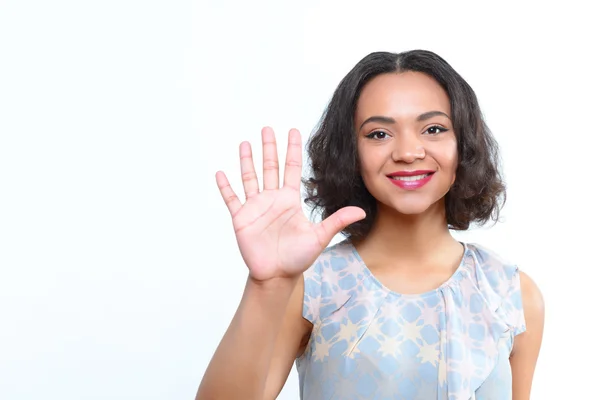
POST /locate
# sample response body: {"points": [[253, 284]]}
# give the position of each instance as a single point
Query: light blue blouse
{"points": [[368, 342]]}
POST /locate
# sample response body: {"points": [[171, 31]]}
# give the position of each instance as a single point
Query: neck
{"points": [[408, 236]]}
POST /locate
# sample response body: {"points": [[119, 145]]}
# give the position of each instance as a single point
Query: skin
{"points": [[527, 345], [277, 243], [417, 134]]}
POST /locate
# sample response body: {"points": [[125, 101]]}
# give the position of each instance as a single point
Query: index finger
{"points": [[231, 200]]}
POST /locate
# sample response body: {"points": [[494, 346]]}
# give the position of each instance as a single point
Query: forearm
{"points": [[240, 365]]}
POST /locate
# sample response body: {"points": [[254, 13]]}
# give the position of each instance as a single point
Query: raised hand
{"points": [[275, 238]]}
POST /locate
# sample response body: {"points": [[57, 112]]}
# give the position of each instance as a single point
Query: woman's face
{"points": [[406, 142]]}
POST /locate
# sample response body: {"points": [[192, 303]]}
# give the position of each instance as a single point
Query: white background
{"points": [[119, 271]]}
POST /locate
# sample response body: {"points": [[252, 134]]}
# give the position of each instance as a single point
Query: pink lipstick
{"points": [[411, 180]]}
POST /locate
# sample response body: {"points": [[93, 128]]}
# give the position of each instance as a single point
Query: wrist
{"points": [[273, 285], [267, 300]]}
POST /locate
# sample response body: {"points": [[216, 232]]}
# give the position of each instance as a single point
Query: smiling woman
{"points": [[400, 309], [416, 139]]}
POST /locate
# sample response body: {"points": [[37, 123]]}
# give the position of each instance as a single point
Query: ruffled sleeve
{"points": [[312, 292], [329, 283], [482, 312], [512, 304], [502, 280]]}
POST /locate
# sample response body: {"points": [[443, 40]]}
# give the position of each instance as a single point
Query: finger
{"points": [[336, 222], [248, 173], [231, 200], [292, 176], [270, 160]]}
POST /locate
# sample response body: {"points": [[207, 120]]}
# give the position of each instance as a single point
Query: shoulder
{"points": [[521, 297], [533, 300], [526, 347], [334, 268], [490, 260], [500, 281], [499, 270], [333, 260], [499, 273]]}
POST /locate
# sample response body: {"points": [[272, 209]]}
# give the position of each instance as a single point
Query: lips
{"points": [[411, 180]]}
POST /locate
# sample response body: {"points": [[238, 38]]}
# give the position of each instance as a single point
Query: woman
{"points": [[400, 309]]}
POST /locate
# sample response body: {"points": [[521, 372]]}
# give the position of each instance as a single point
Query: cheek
{"points": [[371, 164], [446, 155], [368, 161]]}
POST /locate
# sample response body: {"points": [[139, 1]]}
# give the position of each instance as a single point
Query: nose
{"points": [[408, 149]]}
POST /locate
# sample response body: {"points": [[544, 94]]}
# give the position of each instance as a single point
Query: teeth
{"points": [[409, 178]]}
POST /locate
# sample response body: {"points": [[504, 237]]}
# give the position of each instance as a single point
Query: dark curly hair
{"points": [[478, 193]]}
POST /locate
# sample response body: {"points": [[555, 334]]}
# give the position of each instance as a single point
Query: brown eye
{"points": [[377, 135], [435, 130]]}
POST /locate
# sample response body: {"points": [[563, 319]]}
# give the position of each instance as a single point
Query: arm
{"points": [[527, 345], [278, 244], [290, 344], [257, 352]]}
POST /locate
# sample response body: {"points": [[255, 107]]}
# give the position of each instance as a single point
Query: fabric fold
{"points": [[470, 328]]}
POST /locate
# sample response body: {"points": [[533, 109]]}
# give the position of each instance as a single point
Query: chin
{"points": [[414, 206]]}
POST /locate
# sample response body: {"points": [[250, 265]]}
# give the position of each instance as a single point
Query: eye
{"points": [[377, 135], [435, 130]]}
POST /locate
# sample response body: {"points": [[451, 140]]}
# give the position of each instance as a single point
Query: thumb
{"points": [[337, 221]]}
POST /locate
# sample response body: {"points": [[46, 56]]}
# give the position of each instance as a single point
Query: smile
{"points": [[410, 180]]}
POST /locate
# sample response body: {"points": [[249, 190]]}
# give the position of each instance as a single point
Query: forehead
{"points": [[401, 95]]}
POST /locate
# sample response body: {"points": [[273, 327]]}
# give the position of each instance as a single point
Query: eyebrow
{"points": [[390, 121], [431, 114]]}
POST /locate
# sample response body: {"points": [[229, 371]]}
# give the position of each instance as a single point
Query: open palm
{"points": [[274, 236]]}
